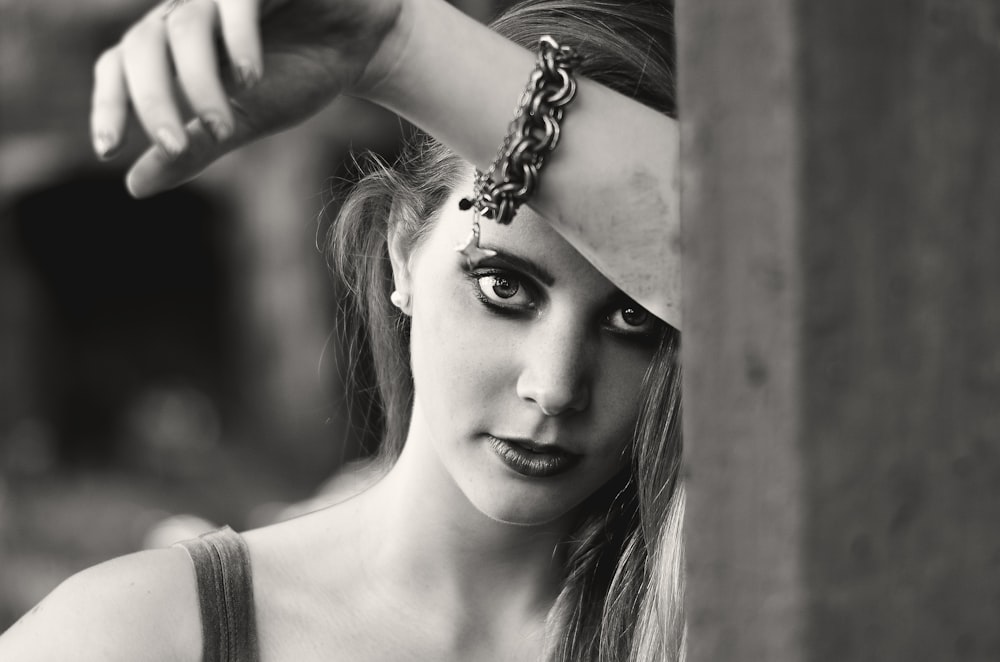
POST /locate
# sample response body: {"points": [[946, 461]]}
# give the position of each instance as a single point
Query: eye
{"points": [[632, 319], [503, 289]]}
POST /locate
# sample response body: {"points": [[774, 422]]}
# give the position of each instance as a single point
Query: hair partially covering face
{"points": [[622, 595]]}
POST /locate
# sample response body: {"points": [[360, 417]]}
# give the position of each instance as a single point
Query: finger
{"points": [[109, 104], [155, 172], [240, 21], [148, 77], [190, 33]]}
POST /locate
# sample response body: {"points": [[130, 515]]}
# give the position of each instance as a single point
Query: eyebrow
{"points": [[522, 264]]}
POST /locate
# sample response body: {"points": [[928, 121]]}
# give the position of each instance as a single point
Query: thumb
{"points": [[155, 172]]}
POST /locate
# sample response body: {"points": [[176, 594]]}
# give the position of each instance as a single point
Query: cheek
{"points": [[452, 354], [617, 396]]}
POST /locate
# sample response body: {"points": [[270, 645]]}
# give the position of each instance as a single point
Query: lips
{"points": [[531, 459]]}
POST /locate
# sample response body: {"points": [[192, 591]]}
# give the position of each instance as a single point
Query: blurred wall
{"points": [[162, 356]]}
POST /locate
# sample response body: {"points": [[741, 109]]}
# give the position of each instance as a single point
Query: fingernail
{"points": [[134, 185], [246, 74], [105, 143], [130, 185], [169, 143], [218, 127]]}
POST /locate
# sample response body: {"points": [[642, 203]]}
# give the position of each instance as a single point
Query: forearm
{"points": [[616, 161]]}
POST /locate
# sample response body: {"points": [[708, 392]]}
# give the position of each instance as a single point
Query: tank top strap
{"points": [[225, 595]]}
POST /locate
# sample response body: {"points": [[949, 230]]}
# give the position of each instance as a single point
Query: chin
{"points": [[505, 497], [516, 508]]}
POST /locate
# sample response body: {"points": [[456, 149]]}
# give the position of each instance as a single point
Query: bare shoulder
{"points": [[142, 606]]}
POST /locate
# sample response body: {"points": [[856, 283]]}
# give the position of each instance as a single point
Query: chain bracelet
{"points": [[531, 136]]}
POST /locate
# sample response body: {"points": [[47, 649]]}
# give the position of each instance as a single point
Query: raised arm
{"points": [[615, 167], [610, 187]]}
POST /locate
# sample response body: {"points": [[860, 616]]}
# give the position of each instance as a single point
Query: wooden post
{"points": [[841, 209]]}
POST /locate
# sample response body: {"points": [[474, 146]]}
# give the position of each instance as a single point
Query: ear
{"points": [[399, 256]]}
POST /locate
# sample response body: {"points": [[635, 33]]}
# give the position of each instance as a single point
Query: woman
{"points": [[526, 406]]}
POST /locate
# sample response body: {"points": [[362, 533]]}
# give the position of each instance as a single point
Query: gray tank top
{"points": [[225, 595]]}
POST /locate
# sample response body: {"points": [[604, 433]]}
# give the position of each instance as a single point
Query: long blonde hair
{"points": [[622, 595]]}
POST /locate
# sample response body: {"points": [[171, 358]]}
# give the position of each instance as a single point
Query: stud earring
{"points": [[400, 300]]}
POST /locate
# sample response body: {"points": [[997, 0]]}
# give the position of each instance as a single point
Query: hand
{"points": [[245, 68]]}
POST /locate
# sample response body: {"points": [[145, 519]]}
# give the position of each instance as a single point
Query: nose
{"points": [[556, 369]]}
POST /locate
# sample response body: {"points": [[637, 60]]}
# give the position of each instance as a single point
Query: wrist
{"points": [[385, 72], [451, 76]]}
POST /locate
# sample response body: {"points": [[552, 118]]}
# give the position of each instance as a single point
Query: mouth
{"points": [[531, 459]]}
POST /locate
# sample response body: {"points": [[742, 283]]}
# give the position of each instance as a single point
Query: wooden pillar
{"points": [[841, 213]]}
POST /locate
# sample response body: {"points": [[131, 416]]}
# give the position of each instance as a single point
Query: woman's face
{"points": [[527, 370]]}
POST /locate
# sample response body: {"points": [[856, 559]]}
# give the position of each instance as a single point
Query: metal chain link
{"points": [[533, 133]]}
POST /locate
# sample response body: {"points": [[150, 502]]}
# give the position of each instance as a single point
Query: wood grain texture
{"points": [[842, 355]]}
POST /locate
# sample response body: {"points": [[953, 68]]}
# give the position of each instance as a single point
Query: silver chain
{"points": [[533, 133]]}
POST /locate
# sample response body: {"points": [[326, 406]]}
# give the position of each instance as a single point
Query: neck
{"points": [[424, 534]]}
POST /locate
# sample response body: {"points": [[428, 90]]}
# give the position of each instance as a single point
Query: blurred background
{"points": [[164, 364]]}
